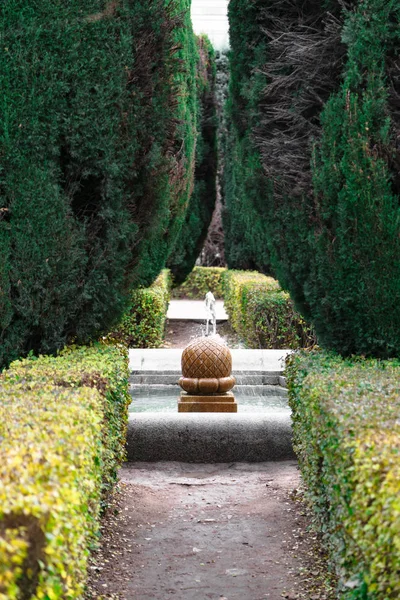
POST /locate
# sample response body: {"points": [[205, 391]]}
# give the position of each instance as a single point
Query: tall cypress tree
{"points": [[202, 201], [354, 285], [244, 179], [326, 129], [97, 141]]}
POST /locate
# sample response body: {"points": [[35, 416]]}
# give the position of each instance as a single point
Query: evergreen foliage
{"points": [[143, 323], [262, 313], [97, 143], [353, 288], [200, 281], [285, 61], [303, 65], [244, 180], [63, 423], [202, 200], [321, 150], [347, 437]]}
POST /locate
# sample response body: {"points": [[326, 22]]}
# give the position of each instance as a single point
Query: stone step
{"points": [[155, 361], [243, 390], [210, 437], [171, 378]]}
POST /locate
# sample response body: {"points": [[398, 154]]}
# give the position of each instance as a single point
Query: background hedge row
{"points": [[262, 313], [62, 425], [200, 281], [143, 323], [312, 186], [347, 437], [98, 132]]}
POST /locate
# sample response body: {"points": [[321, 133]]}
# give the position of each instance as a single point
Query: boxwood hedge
{"points": [[200, 281], [143, 323], [262, 313], [347, 437], [62, 432]]}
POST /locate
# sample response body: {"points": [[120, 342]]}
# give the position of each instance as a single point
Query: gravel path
{"points": [[195, 532]]}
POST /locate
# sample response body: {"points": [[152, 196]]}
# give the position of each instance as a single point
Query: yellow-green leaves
{"points": [[262, 313], [347, 437], [142, 325], [200, 281], [62, 424]]}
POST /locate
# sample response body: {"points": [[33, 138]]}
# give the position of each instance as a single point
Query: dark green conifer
{"points": [[325, 130], [97, 142], [353, 288], [203, 198], [244, 180]]}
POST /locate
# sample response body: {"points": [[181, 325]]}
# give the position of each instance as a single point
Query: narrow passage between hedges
{"points": [[217, 531]]}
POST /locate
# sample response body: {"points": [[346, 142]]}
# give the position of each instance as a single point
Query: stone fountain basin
{"points": [[260, 399], [260, 431]]}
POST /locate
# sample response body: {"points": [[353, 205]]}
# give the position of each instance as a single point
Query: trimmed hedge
{"points": [[262, 313], [62, 429], [347, 437], [200, 281], [312, 185], [97, 154], [246, 245], [353, 285], [143, 323], [202, 200]]}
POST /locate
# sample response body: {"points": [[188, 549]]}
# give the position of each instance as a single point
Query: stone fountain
{"points": [[206, 377]]}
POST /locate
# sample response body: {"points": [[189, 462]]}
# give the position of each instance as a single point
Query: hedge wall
{"points": [[244, 181], [262, 313], [315, 123], [353, 288], [62, 425], [347, 438], [285, 61], [202, 201], [143, 323], [97, 150], [200, 281]]}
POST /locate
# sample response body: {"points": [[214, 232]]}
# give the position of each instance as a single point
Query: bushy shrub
{"points": [[202, 201], [347, 438], [62, 425], [244, 180], [353, 288], [98, 132], [200, 281], [314, 134], [262, 313], [143, 323]]}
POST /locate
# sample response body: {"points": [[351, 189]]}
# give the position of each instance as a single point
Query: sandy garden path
{"points": [[215, 531]]}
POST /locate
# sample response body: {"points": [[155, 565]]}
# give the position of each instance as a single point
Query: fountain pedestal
{"points": [[207, 379], [215, 403]]}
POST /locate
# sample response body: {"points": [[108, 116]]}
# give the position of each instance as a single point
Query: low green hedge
{"points": [[346, 421], [200, 281], [62, 432], [262, 313], [143, 323]]}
